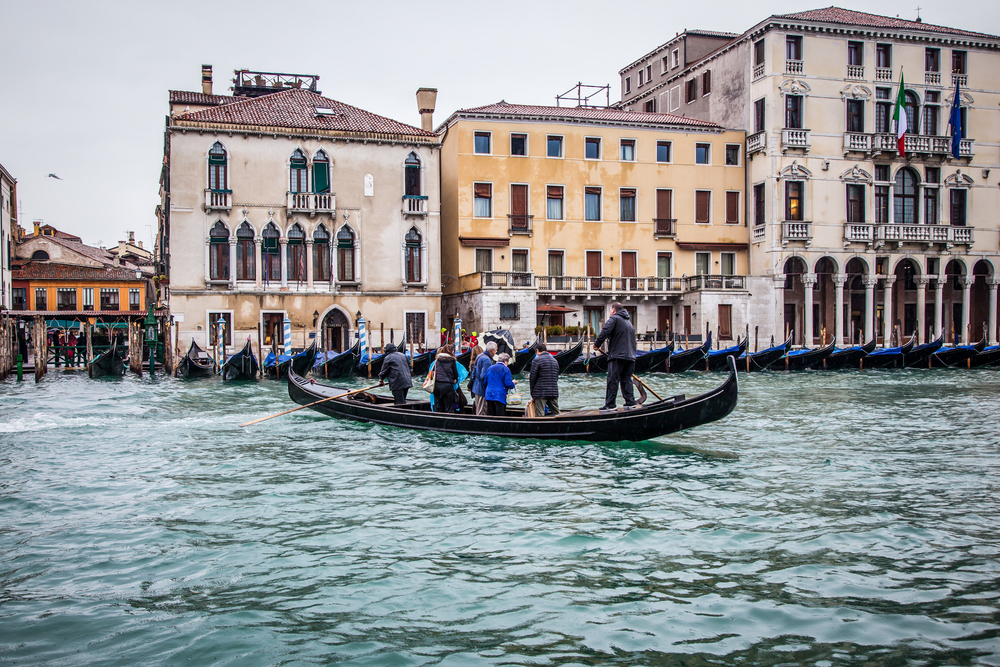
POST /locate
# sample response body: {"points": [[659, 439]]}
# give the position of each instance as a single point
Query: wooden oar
{"points": [[302, 407], [636, 378]]}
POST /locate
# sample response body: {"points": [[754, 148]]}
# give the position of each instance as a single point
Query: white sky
{"points": [[85, 85]]}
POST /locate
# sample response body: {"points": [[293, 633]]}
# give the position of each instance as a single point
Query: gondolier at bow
{"points": [[620, 335]]}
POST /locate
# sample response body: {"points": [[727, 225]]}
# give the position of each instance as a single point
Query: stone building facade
{"points": [[8, 221]]}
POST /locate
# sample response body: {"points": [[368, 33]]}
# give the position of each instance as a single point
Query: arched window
{"points": [[218, 252], [271, 253], [40, 256], [412, 166], [217, 167], [345, 255], [296, 254], [912, 112], [905, 197], [299, 171], [413, 274], [321, 254], [321, 173], [246, 260]]}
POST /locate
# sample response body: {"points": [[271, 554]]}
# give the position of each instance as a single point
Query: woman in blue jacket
{"points": [[499, 381]]}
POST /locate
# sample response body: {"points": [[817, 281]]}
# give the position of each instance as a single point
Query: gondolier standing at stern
{"points": [[396, 369], [620, 334]]}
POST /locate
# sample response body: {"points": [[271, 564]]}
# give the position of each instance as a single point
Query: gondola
{"points": [[889, 356], [653, 360], [365, 369], [107, 364], [990, 356], [685, 360], [522, 358], [800, 360], [920, 355], [304, 360], [301, 362], [337, 365], [716, 359], [196, 363], [422, 362], [950, 357], [650, 420], [241, 366], [598, 363], [566, 358], [275, 368], [849, 357], [761, 361]]}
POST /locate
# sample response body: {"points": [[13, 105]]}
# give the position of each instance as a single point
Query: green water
{"points": [[832, 519]]}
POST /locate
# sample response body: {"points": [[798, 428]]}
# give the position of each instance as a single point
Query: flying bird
{"points": [[55, 177]]}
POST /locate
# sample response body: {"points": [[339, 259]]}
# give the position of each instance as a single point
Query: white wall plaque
{"points": [[369, 185]]}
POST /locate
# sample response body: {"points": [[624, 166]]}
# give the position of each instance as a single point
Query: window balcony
{"points": [[607, 285], [714, 282], [883, 74], [519, 224], [858, 142], [758, 71], [756, 142], [414, 205], [311, 202], [759, 231], [507, 279], [796, 230], [925, 234], [856, 72], [919, 144], [960, 79], [218, 200], [665, 228], [932, 78], [794, 138], [855, 232], [793, 67]]}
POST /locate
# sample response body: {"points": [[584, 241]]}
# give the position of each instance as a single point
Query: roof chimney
{"points": [[38, 225], [426, 99], [131, 238], [206, 79]]}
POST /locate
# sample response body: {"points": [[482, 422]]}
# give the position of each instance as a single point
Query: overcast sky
{"points": [[86, 82]]}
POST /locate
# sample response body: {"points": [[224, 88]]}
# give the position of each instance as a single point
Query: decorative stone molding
{"points": [[922, 281], [840, 279], [794, 87], [889, 281], [967, 100], [856, 175], [809, 279], [869, 281], [958, 180], [993, 283], [967, 281], [794, 172], [856, 92]]}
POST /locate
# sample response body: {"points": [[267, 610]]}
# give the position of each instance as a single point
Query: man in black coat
{"points": [[544, 381], [396, 368], [620, 334]]}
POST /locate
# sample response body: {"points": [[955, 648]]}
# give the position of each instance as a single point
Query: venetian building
{"points": [[857, 238], [8, 223], [278, 202]]}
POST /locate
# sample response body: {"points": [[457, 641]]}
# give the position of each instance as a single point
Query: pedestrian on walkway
{"points": [[620, 335]]}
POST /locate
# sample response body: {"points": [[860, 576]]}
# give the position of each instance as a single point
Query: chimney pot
{"points": [[206, 79], [426, 101], [38, 226], [131, 238]]}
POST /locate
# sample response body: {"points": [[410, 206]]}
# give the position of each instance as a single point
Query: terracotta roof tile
{"points": [[851, 17], [297, 109], [201, 99], [53, 271], [585, 113]]}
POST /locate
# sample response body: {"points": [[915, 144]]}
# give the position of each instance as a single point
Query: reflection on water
{"points": [[833, 518]]}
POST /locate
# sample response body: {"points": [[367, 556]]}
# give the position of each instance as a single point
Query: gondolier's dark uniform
{"points": [[396, 370], [620, 334]]}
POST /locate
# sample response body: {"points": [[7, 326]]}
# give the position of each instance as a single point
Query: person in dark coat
{"points": [[396, 372], [620, 335], [445, 379], [479, 368], [499, 381], [544, 381]]}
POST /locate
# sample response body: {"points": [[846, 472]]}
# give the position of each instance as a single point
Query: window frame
{"points": [[862, 201], [669, 256], [562, 206], [351, 251], [708, 153], [963, 208], [706, 82], [800, 198], [695, 216], [527, 259], [628, 84], [526, 147], [475, 259], [490, 200], [562, 146], [691, 90], [735, 258], [886, 50], [799, 100], [855, 51], [738, 150], [703, 253], [635, 203], [477, 134], [675, 58], [66, 291], [759, 204], [590, 141], [760, 115], [739, 206], [622, 143], [212, 328], [600, 203], [109, 291], [798, 42], [855, 110], [44, 292], [669, 145]]}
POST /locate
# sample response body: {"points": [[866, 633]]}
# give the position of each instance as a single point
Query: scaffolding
{"points": [[583, 93]]}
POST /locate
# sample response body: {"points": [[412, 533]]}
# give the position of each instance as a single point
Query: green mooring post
{"points": [[151, 337], [20, 368]]}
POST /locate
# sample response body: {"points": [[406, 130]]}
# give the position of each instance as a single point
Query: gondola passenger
{"points": [[499, 381], [447, 374], [480, 365], [544, 381], [396, 371]]}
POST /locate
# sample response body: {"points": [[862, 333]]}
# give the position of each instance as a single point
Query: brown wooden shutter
{"points": [[592, 191], [732, 208], [627, 192], [702, 204], [593, 263], [519, 200], [483, 190], [555, 192], [725, 321], [664, 204], [629, 269]]}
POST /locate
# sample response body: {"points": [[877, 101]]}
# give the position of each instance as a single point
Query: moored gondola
{"points": [[685, 360], [336, 364], [800, 360], [716, 359], [276, 368], [369, 365], [648, 421], [920, 355], [653, 360], [596, 363], [888, 357], [241, 366], [849, 357], [761, 361], [990, 356], [108, 363], [196, 363], [304, 360], [522, 359], [422, 362], [950, 357], [566, 358]]}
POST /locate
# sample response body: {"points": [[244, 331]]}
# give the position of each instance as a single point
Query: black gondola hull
{"points": [[990, 356], [678, 362], [241, 366], [654, 360], [956, 356], [761, 361], [920, 356], [192, 366], [716, 361], [339, 365], [522, 359], [801, 361], [850, 357], [108, 364], [567, 358]]}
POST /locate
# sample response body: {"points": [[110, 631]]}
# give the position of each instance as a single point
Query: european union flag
{"points": [[956, 122]]}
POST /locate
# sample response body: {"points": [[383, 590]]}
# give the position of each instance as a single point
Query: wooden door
{"points": [[630, 269], [664, 319], [594, 268], [687, 320], [664, 208], [519, 208]]}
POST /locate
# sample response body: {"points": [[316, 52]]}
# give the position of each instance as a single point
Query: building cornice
{"points": [[184, 126], [572, 120]]}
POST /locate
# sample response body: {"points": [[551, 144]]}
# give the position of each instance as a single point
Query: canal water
{"points": [[832, 519]]}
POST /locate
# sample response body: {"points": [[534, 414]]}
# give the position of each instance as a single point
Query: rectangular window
{"points": [[932, 175], [882, 173], [555, 267], [703, 153], [725, 321], [594, 268], [883, 110], [650, 106], [66, 298], [628, 150], [793, 112], [758, 115], [881, 204], [930, 205], [345, 261], [554, 202], [690, 90], [482, 203], [758, 52], [109, 299], [702, 263], [626, 198], [932, 60], [649, 72], [758, 204], [41, 298], [519, 260], [88, 298], [703, 207], [663, 151], [931, 100], [855, 115], [957, 198], [664, 264], [958, 62], [793, 200], [675, 56], [553, 146], [482, 143], [728, 260], [855, 203], [134, 299], [628, 84], [883, 56], [19, 298], [592, 203], [706, 82], [664, 211], [664, 64], [416, 327], [732, 208], [793, 47], [592, 148], [856, 54], [484, 260], [213, 328], [732, 155], [519, 144], [510, 311], [642, 78]]}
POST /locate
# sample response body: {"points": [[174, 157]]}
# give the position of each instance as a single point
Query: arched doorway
{"points": [[825, 301], [904, 317], [856, 270], [335, 330], [794, 299], [952, 315], [980, 301]]}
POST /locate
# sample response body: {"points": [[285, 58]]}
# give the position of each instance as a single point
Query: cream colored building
{"points": [[8, 220], [856, 238], [570, 209], [279, 202]]}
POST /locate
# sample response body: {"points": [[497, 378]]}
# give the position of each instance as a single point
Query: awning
{"points": [[547, 308]]}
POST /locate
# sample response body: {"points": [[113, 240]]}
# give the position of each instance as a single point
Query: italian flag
{"points": [[899, 115]]}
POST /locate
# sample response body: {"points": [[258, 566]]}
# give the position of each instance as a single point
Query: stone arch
{"points": [[982, 291], [794, 268], [335, 329], [857, 269]]}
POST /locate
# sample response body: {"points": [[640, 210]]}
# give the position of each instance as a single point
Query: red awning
{"points": [[554, 309]]}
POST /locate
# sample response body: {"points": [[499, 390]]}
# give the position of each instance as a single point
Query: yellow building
{"points": [[573, 208]]}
